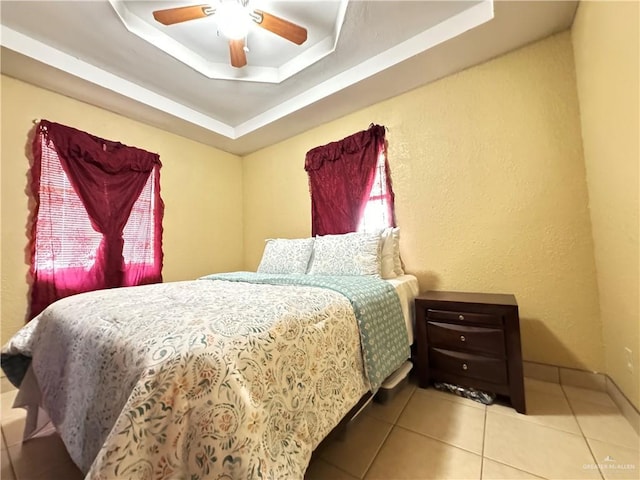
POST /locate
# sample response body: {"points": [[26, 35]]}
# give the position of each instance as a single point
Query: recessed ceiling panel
{"points": [[201, 43], [380, 33], [384, 48]]}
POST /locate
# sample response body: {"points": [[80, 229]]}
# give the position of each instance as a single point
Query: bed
{"points": [[229, 376]]}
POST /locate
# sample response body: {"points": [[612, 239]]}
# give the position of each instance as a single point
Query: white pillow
{"points": [[387, 255], [283, 255], [347, 254], [397, 263]]}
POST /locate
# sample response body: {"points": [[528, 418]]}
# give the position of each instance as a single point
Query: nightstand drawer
{"points": [[468, 365], [480, 318], [462, 337]]}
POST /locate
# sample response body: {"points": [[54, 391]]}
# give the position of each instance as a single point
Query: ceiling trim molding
{"points": [[43, 53], [445, 30]]}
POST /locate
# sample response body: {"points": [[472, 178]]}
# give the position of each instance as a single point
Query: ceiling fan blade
{"points": [[284, 28], [237, 53], [170, 16]]}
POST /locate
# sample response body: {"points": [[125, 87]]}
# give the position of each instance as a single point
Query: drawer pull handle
{"points": [[460, 317], [462, 339], [464, 366]]}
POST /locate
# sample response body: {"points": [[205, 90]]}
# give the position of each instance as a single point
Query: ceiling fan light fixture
{"points": [[233, 20]]}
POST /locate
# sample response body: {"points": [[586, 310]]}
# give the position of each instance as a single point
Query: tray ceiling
{"points": [[374, 50]]}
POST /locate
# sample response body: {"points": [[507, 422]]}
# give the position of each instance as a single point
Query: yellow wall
{"points": [[489, 176], [201, 187], [606, 48], [490, 191]]}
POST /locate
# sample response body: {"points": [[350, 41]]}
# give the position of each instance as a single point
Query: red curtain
{"points": [[108, 177], [341, 175]]}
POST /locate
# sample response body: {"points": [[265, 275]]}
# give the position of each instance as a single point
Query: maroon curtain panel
{"points": [[108, 177], [391, 197], [341, 175]]}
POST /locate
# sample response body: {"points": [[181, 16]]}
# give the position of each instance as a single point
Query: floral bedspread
{"points": [[385, 343], [201, 379]]}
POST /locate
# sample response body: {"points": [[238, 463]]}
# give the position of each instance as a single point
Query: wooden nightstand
{"points": [[472, 340]]}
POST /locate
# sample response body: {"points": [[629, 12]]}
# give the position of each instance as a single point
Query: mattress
{"points": [[408, 289]]}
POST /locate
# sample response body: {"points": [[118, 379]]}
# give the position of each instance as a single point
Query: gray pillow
{"points": [[347, 254], [283, 255]]}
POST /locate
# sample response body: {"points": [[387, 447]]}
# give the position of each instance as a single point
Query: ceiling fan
{"points": [[234, 19]]}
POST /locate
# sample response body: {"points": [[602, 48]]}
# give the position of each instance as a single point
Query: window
{"points": [[98, 215], [342, 196], [377, 213], [65, 236], [139, 231]]}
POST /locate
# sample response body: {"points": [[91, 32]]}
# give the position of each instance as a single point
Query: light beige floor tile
{"points": [[407, 455], [321, 470], [6, 405], [6, 471], [546, 409], [390, 411], [499, 471], [451, 397], [13, 428], [8, 397], [537, 449], [604, 423], [587, 395], [531, 384], [361, 443], [451, 422], [616, 462], [6, 385], [43, 458]]}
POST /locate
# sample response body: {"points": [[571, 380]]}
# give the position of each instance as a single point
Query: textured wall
{"points": [[201, 187], [490, 188], [606, 48]]}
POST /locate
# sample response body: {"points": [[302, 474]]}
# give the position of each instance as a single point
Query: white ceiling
{"points": [[82, 49]]}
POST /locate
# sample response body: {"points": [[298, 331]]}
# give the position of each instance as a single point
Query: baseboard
{"points": [[585, 379], [628, 409]]}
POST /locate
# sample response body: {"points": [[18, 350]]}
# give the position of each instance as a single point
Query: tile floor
{"points": [[569, 433]]}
